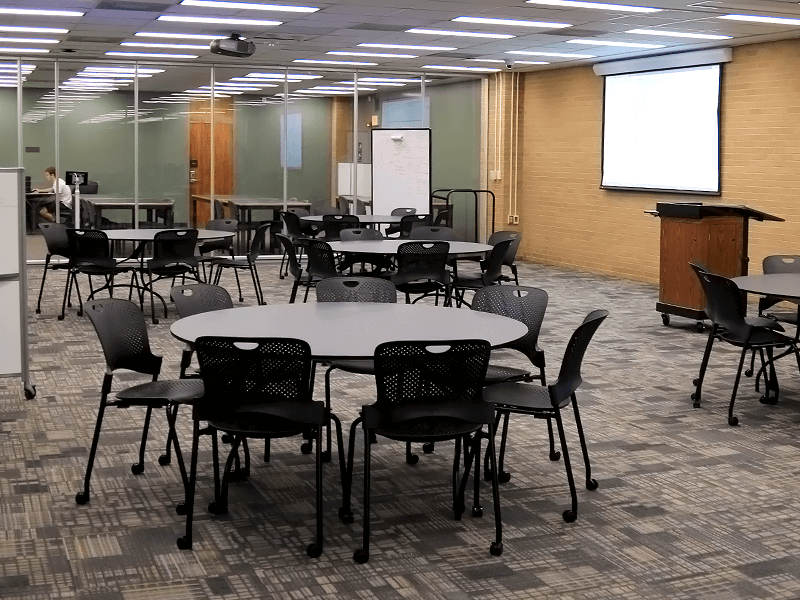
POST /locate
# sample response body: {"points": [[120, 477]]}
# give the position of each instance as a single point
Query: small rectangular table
{"points": [[101, 203], [200, 209]]}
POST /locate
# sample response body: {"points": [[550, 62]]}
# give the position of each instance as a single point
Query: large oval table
{"points": [[782, 285], [337, 330], [147, 235], [363, 219], [390, 246]]}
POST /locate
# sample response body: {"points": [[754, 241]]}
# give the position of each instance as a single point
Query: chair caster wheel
{"points": [[164, 460], [591, 484], [60, 317], [326, 456], [733, 421], [184, 544], [345, 515], [700, 327], [38, 311], [477, 512], [81, 498], [227, 438], [217, 510], [496, 549], [696, 381], [80, 313], [313, 551], [181, 509], [768, 400], [504, 477], [428, 447], [748, 373], [360, 556], [238, 475], [155, 321], [458, 510], [412, 459], [306, 448], [570, 516], [137, 468], [555, 455]]}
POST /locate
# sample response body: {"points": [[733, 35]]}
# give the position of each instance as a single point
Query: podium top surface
{"points": [[698, 210]]}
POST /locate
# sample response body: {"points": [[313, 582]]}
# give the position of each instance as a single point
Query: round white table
{"points": [[147, 235], [783, 285], [337, 330], [363, 219], [389, 246]]}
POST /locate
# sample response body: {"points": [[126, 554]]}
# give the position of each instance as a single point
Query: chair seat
{"points": [[469, 280], [761, 336], [362, 367], [427, 431], [168, 390], [501, 373], [524, 397], [230, 262], [770, 321]]}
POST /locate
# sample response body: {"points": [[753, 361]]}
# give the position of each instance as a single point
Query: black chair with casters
{"points": [[409, 222], [352, 289], [248, 262], [527, 305], [296, 234], [726, 309], [442, 219], [547, 402], [55, 237], [309, 229], [510, 257], [321, 264], [221, 211], [398, 212], [333, 225], [224, 245], [433, 232], [256, 388], [121, 328], [293, 267], [429, 392], [379, 263], [173, 257], [491, 273], [422, 270]]}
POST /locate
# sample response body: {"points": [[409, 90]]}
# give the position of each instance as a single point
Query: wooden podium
{"points": [[713, 235]]}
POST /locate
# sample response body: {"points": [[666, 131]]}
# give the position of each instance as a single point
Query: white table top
{"points": [[783, 285], [113, 202], [147, 235], [364, 219], [350, 329], [389, 246]]}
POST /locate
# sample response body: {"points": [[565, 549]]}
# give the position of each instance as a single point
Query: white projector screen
{"points": [[661, 130]]}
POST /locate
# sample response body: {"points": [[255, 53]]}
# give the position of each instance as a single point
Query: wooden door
{"points": [[200, 157]]}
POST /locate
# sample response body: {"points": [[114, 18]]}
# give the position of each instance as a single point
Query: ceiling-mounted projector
{"points": [[233, 46]]}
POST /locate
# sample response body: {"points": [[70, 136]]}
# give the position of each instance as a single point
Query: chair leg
{"points": [[187, 508], [699, 381], [238, 284], [732, 420], [496, 548], [138, 468], [345, 512], [591, 484], [294, 290], [554, 454], [503, 476], [257, 284], [41, 287], [571, 514], [83, 497], [171, 419], [362, 554], [326, 456], [67, 290], [315, 550]]}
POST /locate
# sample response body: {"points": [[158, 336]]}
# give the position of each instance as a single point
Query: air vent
{"points": [[131, 5], [574, 33], [379, 27]]}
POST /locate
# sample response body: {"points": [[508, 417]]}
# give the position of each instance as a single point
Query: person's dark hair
{"points": [[50, 171]]}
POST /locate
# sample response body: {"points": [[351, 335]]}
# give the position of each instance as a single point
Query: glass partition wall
{"points": [[209, 139]]}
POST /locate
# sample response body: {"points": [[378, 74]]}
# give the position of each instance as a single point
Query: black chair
{"points": [[778, 263], [726, 309], [256, 388], [380, 263], [422, 270], [121, 328], [433, 232], [224, 245], [173, 257], [296, 234], [539, 401], [333, 225], [398, 212], [90, 187], [352, 289], [248, 262], [292, 264], [309, 229], [491, 273], [442, 219], [321, 264], [510, 257], [55, 236], [428, 392], [409, 222]]}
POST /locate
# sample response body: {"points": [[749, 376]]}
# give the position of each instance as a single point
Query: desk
{"points": [[101, 203], [200, 209], [389, 246], [339, 330], [33, 204]]}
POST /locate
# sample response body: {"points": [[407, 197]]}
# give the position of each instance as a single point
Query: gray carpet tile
{"points": [[687, 507]]}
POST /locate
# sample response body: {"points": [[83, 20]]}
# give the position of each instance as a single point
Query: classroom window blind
{"points": [[661, 130]]}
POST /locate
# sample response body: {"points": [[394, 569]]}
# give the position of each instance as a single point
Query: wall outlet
{"points": [[511, 219], [494, 175], [515, 219]]}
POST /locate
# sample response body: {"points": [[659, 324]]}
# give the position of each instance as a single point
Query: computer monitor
{"points": [[76, 177]]}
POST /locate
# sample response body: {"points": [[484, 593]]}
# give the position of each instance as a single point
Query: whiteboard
{"points": [[401, 170], [10, 328], [9, 217]]}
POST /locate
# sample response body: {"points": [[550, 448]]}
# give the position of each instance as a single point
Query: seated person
{"points": [[60, 189]]}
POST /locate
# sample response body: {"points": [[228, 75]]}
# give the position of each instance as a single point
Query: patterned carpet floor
{"points": [[687, 507]]}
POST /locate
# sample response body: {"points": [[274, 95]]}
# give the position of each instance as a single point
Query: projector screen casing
{"points": [[661, 131]]}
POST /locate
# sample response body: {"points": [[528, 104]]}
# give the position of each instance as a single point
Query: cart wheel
{"points": [[30, 391], [665, 318], [700, 327]]}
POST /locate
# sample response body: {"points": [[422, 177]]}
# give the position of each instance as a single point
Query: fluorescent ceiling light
{"points": [[261, 85], [597, 5], [336, 62], [26, 50], [179, 36], [679, 34], [516, 62], [615, 44], [340, 88], [165, 45], [372, 54], [220, 21], [408, 47], [378, 83], [32, 29], [90, 74], [390, 80], [150, 54], [248, 6], [478, 34], [760, 19], [98, 80], [550, 54], [138, 70], [15, 40], [40, 12], [282, 76], [322, 92], [511, 22], [453, 68]]}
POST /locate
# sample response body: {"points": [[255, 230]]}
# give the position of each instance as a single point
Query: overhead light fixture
{"points": [[390, 80], [761, 19], [220, 21], [25, 50], [14, 28], [455, 68], [679, 34], [516, 62], [340, 88], [335, 62], [165, 45], [149, 55], [550, 54], [408, 47], [248, 6], [179, 36], [377, 83], [511, 22], [477, 34], [98, 80], [15, 40], [282, 76], [371, 54], [615, 44], [597, 5], [40, 12]]}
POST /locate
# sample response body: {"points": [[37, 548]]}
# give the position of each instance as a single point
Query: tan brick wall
{"points": [[568, 220]]}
